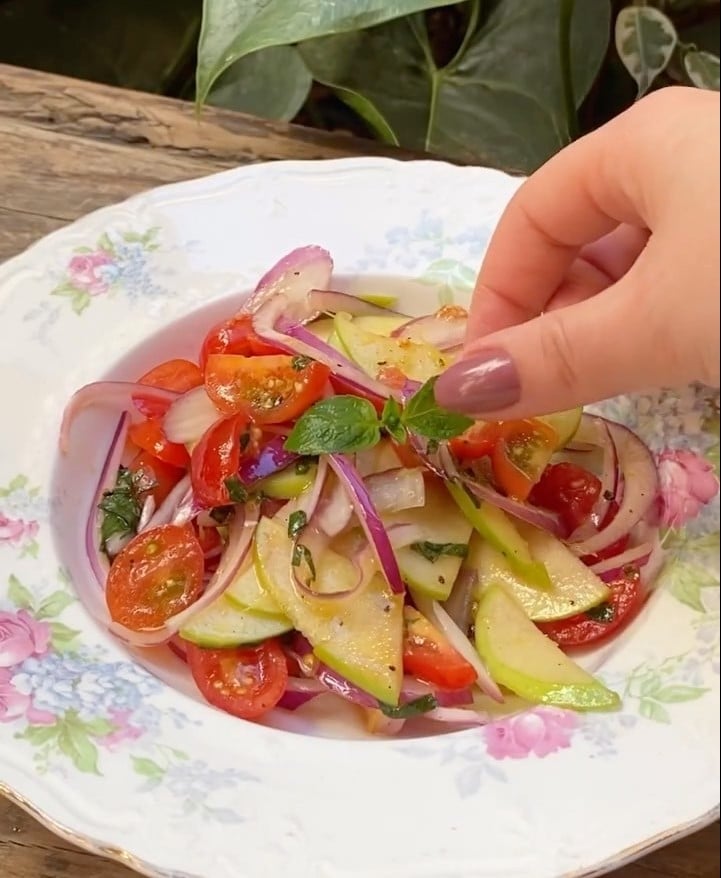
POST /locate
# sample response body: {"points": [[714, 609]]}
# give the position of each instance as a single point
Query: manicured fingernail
{"points": [[485, 382]]}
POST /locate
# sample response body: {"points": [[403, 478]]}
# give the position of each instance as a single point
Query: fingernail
{"points": [[485, 382]]}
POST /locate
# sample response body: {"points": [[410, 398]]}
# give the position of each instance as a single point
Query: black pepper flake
{"points": [[391, 667], [387, 608], [608, 495], [442, 580]]}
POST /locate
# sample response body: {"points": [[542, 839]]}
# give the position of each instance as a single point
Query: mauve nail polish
{"points": [[484, 382]]}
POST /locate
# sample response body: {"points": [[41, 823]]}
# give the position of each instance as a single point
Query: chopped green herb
{"points": [[122, 506], [424, 416], [411, 708], [339, 424], [236, 491], [296, 522], [391, 421], [433, 551], [300, 363], [603, 613], [302, 553]]}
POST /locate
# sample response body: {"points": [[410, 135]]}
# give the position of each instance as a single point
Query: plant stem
{"points": [[564, 41]]}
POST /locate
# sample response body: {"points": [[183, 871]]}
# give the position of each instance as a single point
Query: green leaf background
{"points": [[505, 83]]}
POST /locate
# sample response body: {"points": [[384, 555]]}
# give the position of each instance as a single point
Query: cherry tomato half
{"points": [[245, 682], [568, 490], [215, 460], [270, 390], [158, 574], [627, 597], [428, 655], [234, 336], [519, 451], [178, 375], [150, 436], [162, 476]]}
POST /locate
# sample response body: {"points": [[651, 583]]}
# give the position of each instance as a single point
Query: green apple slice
{"points": [[223, 625], [574, 588], [565, 423], [247, 593], [360, 638], [444, 532], [288, 483], [496, 527], [371, 351], [521, 658]]}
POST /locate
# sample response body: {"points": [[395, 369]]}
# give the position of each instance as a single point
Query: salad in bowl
{"points": [[293, 514]]}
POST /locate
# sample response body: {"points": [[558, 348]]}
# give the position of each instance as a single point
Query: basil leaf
{"points": [[299, 363], [296, 522], [411, 708], [433, 551], [122, 506], [391, 421], [236, 490], [339, 424], [424, 416]]}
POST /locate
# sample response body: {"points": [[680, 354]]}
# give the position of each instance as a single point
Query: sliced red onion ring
{"points": [[445, 330], [190, 416], [115, 394], [272, 325], [165, 513], [640, 477], [334, 511], [272, 458], [293, 277], [369, 519], [291, 700], [397, 489], [458, 716], [308, 501], [459, 605], [402, 535], [106, 482], [331, 302], [442, 464], [240, 538], [147, 512], [334, 682], [413, 689], [610, 478], [610, 568], [187, 509], [437, 616], [315, 542]]}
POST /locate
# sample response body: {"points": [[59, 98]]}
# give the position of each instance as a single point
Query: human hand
{"points": [[602, 276]]}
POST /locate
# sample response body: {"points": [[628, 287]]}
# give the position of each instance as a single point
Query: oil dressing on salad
{"points": [[295, 516]]}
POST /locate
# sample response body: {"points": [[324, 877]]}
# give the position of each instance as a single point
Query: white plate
{"points": [[123, 763]]}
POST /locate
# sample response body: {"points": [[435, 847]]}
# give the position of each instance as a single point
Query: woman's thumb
{"points": [[567, 357]]}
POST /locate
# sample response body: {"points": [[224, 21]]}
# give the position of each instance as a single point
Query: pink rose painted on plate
{"points": [[13, 704], [20, 637], [15, 530], [84, 272], [687, 482], [538, 732]]}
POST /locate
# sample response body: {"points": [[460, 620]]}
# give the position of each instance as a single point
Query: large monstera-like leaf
{"points": [[502, 100]]}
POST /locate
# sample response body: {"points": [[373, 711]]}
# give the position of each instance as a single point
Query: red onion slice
{"points": [[293, 277], [610, 478], [445, 330], [165, 513], [397, 489], [438, 617], [610, 568], [272, 325], [115, 394], [334, 511], [331, 302], [458, 716], [638, 469], [190, 416], [240, 538], [369, 519], [108, 477]]}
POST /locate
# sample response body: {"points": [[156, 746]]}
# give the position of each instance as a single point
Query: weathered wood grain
{"points": [[69, 147]]}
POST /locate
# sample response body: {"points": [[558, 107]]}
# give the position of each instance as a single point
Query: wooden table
{"points": [[69, 147]]}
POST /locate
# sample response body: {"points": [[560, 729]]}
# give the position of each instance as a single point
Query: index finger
{"points": [[579, 195]]}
